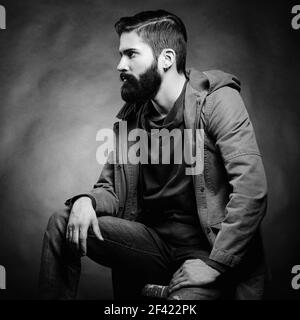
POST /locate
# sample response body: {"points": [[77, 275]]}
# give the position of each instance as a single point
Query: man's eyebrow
{"points": [[126, 51]]}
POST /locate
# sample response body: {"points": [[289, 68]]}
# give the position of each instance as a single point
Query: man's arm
{"points": [[229, 125], [103, 196], [84, 209]]}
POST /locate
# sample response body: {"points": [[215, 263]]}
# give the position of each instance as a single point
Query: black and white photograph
{"points": [[149, 151]]}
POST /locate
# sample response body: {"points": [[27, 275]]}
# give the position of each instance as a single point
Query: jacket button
{"points": [[202, 189]]}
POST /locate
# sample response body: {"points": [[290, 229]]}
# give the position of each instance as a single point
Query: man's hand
{"points": [[82, 216], [193, 272]]}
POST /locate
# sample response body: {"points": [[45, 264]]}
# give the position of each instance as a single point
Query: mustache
{"points": [[128, 77]]}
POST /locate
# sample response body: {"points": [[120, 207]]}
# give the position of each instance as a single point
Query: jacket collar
{"points": [[197, 85]]}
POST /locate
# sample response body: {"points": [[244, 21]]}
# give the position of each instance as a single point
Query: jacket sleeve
{"points": [[229, 125], [103, 196]]}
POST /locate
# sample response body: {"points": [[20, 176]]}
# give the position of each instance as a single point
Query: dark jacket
{"points": [[231, 191]]}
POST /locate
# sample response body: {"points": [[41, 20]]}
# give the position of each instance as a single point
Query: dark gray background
{"points": [[59, 86]]}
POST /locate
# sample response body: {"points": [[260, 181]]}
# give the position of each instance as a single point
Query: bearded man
{"points": [[197, 234]]}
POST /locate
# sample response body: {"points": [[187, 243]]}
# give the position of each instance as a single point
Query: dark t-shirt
{"points": [[166, 192]]}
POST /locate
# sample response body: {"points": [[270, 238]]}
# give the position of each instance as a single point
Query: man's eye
{"points": [[131, 55]]}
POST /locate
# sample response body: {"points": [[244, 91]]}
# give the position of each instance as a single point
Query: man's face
{"points": [[138, 69]]}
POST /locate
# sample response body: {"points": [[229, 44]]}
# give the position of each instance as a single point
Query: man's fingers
{"points": [[82, 240], [69, 233], [96, 229], [178, 272], [75, 237], [176, 281], [182, 284]]}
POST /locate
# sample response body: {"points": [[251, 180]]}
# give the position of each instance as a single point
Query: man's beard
{"points": [[143, 89]]}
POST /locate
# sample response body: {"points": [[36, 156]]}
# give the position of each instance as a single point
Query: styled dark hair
{"points": [[160, 29]]}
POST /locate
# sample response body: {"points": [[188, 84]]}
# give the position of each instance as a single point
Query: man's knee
{"points": [[58, 220]]}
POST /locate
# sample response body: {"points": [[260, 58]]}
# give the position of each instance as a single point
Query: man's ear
{"points": [[168, 58]]}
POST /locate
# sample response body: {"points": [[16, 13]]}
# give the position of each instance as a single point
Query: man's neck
{"points": [[169, 92]]}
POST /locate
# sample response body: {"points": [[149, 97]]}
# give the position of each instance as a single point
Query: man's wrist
{"points": [[70, 202], [83, 200]]}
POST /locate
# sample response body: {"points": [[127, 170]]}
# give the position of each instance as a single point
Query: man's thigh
{"points": [[132, 247]]}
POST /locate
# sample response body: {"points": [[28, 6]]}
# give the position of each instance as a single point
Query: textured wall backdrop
{"points": [[59, 86]]}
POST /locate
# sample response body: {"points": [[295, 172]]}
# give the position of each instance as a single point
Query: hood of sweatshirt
{"points": [[211, 81]]}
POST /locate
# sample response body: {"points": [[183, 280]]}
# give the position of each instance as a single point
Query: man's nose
{"points": [[122, 66]]}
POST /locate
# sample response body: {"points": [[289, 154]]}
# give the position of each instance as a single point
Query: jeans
{"points": [[135, 252]]}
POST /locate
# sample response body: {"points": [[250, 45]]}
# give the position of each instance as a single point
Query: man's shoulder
{"points": [[225, 100]]}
